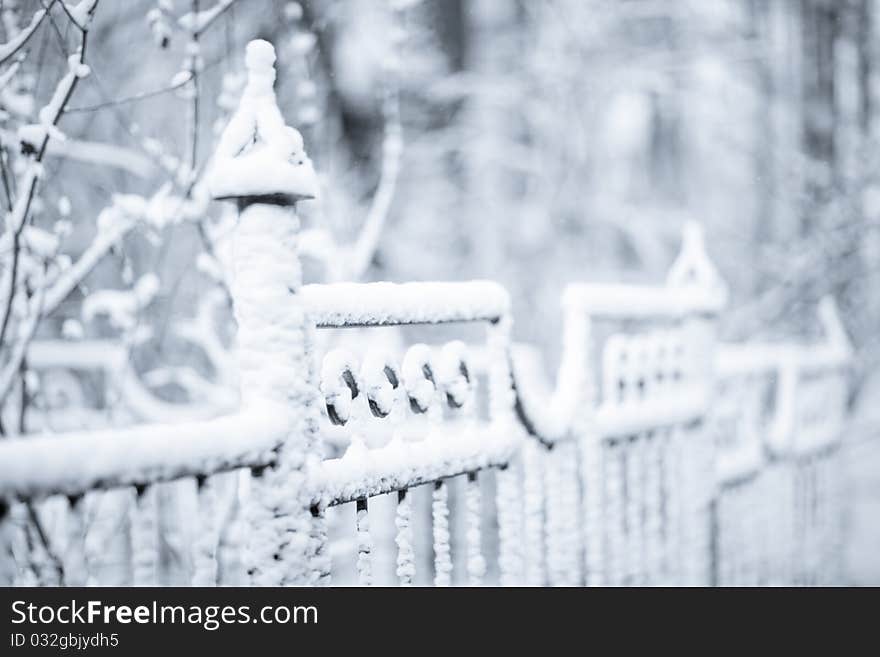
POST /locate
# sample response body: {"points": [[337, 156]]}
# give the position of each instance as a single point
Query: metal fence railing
{"points": [[659, 458]]}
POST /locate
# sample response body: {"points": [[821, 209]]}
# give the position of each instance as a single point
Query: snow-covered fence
{"points": [[644, 466], [417, 420], [778, 420], [649, 409], [630, 409], [427, 401]]}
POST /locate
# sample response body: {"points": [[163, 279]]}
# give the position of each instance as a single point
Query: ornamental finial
{"points": [[260, 158], [693, 266]]}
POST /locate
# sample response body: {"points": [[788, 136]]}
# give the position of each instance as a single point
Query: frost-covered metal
{"points": [[659, 456], [778, 422]]}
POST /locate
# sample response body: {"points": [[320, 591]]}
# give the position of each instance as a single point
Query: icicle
{"points": [[205, 557], [144, 537], [364, 544], [442, 550], [476, 564], [406, 568]]}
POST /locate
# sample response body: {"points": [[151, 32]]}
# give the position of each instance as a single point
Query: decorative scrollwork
{"points": [[418, 377], [427, 376], [641, 366], [381, 378], [339, 385], [455, 377]]}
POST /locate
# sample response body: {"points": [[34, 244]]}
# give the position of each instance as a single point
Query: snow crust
{"points": [[444, 452], [390, 304], [258, 155], [76, 462]]}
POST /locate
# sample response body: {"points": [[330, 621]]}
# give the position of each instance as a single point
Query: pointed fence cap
{"points": [[693, 267], [259, 157], [832, 325]]}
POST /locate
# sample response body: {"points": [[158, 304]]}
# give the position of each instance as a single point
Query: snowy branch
{"points": [[11, 47], [364, 249]]}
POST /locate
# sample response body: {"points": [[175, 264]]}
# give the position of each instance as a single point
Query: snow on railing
{"points": [[631, 411], [75, 463], [427, 405], [778, 420], [414, 421], [342, 305], [658, 458]]}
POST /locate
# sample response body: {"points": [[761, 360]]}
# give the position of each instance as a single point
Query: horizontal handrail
{"points": [[757, 358], [457, 449], [341, 305], [683, 407], [77, 462], [612, 300]]}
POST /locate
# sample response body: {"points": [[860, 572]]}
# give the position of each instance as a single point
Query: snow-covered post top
{"points": [[832, 326], [693, 269], [261, 164], [260, 159], [692, 266]]}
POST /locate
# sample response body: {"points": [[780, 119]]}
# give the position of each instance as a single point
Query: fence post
{"points": [[693, 269], [261, 165]]}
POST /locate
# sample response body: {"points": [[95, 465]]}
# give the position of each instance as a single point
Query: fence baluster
{"points": [[592, 478], [440, 523], [364, 543], [569, 512], [632, 452], [508, 502], [76, 569], [614, 520], [533, 510], [652, 501], [555, 519], [144, 536], [230, 545], [406, 565], [671, 480], [476, 564], [205, 557]]}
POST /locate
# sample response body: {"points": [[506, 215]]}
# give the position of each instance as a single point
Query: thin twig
{"points": [[19, 41], [129, 99], [22, 208]]}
